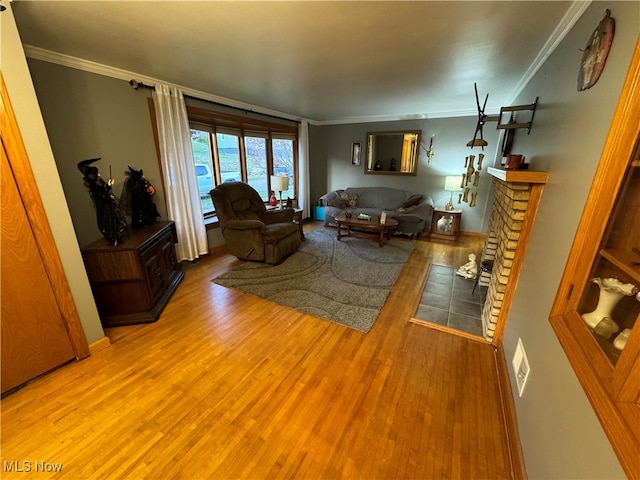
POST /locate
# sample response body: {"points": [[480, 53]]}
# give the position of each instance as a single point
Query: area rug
{"points": [[346, 281]]}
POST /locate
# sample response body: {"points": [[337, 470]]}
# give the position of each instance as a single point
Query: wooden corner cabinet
{"points": [[133, 282], [596, 313]]}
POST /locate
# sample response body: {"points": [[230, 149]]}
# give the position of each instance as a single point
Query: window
{"points": [[227, 148], [257, 165], [283, 162]]}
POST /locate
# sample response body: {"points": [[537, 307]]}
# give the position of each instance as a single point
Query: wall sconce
{"points": [[452, 184], [430, 152], [280, 183]]}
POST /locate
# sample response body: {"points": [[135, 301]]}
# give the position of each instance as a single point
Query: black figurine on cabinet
{"points": [[111, 221], [137, 199]]}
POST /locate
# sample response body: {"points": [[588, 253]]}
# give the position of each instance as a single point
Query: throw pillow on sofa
{"points": [[338, 202], [350, 198]]}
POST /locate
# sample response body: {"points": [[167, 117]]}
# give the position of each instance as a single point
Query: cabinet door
{"points": [[156, 268], [169, 263], [34, 335], [610, 304]]}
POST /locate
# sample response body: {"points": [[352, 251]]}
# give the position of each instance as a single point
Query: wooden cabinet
{"points": [[133, 282], [607, 246], [445, 224]]}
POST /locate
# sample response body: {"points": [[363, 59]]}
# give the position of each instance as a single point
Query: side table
{"points": [[445, 224], [297, 218]]}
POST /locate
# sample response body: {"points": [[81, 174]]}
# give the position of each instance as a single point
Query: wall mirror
{"points": [[392, 153]]}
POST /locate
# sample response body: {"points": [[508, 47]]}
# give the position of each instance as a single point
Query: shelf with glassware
{"points": [[615, 275], [596, 313], [609, 303]]}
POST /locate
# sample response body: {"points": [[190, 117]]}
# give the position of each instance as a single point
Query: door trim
{"points": [[21, 167]]}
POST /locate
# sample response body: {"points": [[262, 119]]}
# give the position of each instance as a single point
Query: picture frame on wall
{"points": [[356, 149]]}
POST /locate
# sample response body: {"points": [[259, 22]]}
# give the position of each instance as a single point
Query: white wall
{"points": [[560, 434], [24, 102]]}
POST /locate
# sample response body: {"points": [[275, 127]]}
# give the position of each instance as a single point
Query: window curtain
{"points": [[304, 194], [180, 182]]}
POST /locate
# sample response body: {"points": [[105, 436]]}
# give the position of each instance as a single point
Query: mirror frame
{"points": [[413, 153]]}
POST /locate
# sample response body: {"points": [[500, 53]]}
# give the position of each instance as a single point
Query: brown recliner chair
{"points": [[250, 231]]}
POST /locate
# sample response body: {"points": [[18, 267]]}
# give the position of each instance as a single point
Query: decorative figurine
{"points": [[469, 269], [611, 292], [621, 340], [392, 168], [111, 221], [378, 166], [136, 199]]}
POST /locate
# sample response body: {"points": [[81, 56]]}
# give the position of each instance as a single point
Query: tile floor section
{"points": [[447, 300]]}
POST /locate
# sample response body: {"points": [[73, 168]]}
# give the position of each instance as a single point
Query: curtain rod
{"points": [[137, 85]]}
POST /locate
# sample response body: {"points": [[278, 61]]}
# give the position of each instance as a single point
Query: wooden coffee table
{"points": [[373, 224]]}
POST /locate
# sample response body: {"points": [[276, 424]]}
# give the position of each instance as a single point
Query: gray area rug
{"points": [[449, 300], [344, 281]]}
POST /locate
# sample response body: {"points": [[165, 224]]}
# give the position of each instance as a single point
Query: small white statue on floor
{"points": [[469, 269]]}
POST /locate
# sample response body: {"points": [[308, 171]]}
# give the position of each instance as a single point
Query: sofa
{"points": [[413, 211], [250, 231]]}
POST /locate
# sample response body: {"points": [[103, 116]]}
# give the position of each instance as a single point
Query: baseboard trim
{"points": [[472, 234], [450, 330], [218, 250], [509, 412], [99, 345]]}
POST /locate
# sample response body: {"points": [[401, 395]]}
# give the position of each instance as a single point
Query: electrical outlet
{"points": [[520, 366]]}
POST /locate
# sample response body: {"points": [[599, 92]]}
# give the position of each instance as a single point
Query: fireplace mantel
{"points": [[518, 176]]}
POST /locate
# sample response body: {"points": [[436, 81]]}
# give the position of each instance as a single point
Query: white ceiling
{"points": [[328, 62]]}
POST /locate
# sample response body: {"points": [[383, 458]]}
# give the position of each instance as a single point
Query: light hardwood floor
{"points": [[226, 385]]}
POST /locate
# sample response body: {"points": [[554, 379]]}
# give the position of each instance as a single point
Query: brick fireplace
{"points": [[516, 197]]}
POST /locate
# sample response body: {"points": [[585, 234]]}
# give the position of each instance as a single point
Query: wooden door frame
{"points": [[21, 167]]}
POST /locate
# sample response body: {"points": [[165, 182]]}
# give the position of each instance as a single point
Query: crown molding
{"points": [[38, 53], [398, 118], [570, 18]]}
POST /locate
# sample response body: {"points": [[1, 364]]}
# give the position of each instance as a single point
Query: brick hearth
{"points": [[516, 198]]}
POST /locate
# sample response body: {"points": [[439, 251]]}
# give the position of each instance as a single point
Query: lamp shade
{"points": [[279, 183], [452, 183]]}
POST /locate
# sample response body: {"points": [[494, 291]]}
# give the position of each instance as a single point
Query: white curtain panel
{"points": [[180, 182], [304, 194]]}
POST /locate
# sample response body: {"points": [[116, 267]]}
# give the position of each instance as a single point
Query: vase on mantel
{"points": [[611, 292]]}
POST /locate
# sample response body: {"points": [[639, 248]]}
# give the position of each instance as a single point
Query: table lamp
{"points": [[280, 183], [452, 184]]}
